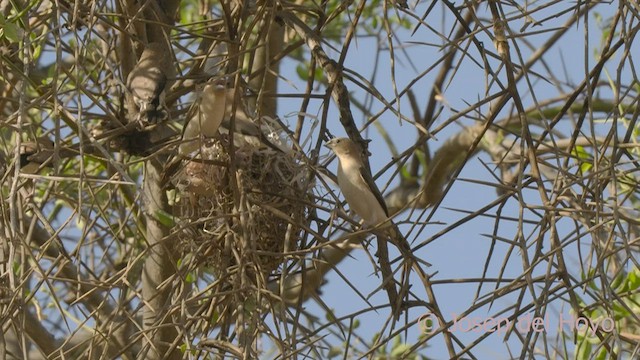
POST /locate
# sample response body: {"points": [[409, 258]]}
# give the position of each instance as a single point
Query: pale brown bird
{"points": [[360, 191], [148, 80], [363, 198], [245, 131], [357, 184], [210, 114], [215, 107]]}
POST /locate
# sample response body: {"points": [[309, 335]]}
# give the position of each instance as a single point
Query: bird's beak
{"points": [[330, 144], [222, 82]]}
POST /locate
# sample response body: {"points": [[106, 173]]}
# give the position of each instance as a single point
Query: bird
{"points": [[245, 130], [363, 197], [361, 193], [147, 83], [356, 183], [215, 109], [35, 155], [210, 114]]}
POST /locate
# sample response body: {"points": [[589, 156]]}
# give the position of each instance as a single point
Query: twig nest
{"points": [[244, 218]]}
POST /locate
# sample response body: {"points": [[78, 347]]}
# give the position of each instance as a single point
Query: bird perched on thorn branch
{"points": [[357, 184], [215, 110], [365, 200], [244, 129], [210, 114], [147, 82]]}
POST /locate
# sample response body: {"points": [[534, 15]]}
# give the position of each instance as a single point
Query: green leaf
{"points": [[330, 316], [597, 17], [302, 71], [376, 336], [617, 281], [165, 218], [9, 30], [405, 22], [619, 312], [335, 351], [580, 153], [602, 354], [590, 275], [422, 159], [36, 45], [634, 304], [80, 224], [191, 278], [404, 172], [400, 351], [633, 279], [584, 157], [583, 350]]}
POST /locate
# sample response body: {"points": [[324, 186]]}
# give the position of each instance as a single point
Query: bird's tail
{"points": [[409, 261]]}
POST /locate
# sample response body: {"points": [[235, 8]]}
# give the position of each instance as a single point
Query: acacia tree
{"points": [[114, 245]]}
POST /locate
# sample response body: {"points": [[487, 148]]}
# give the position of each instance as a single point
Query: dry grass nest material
{"points": [[249, 220]]}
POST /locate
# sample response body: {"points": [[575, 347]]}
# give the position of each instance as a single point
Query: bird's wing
{"points": [[212, 109], [368, 179]]}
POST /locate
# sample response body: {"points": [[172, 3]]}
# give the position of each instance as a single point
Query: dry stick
{"points": [[244, 327], [388, 282], [608, 51], [15, 213], [502, 46], [340, 95], [160, 265], [429, 195], [441, 77], [425, 201], [465, 143], [267, 81], [92, 299], [503, 49]]}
